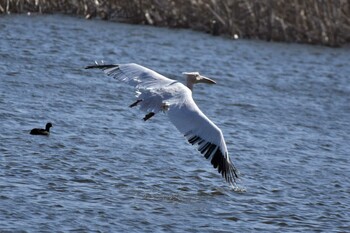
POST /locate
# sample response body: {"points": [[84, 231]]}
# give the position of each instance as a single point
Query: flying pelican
{"points": [[156, 93]]}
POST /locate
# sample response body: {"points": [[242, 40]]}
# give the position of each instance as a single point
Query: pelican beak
{"points": [[202, 79]]}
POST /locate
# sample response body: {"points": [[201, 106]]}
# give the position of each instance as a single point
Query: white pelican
{"points": [[156, 93]]}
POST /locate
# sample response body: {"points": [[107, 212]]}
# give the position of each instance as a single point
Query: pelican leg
{"points": [[149, 115], [135, 103], [165, 107]]}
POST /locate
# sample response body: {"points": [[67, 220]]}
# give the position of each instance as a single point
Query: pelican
{"points": [[155, 93]]}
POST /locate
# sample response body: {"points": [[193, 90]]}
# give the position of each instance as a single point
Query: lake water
{"points": [[283, 108]]}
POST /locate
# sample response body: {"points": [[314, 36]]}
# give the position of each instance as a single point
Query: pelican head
{"points": [[195, 77]]}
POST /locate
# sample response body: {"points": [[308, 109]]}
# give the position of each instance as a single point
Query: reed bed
{"points": [[325, 22]]}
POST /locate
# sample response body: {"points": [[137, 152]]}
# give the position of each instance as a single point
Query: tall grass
{"points": [[325, 22]]}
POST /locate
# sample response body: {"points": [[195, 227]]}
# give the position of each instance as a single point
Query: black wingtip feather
{"points": [[204, 148], [217, 158], [193, 139], [100, 66], [209, 151]]}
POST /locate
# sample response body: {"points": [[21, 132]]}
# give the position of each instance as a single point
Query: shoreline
{"points": [[316, 22]]}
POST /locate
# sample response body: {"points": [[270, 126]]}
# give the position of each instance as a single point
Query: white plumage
{"points": [[156, 93]]}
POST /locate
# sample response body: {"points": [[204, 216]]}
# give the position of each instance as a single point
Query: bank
{"points": [[323, 22]]}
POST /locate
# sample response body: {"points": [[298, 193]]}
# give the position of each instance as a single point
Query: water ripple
{"points": [[283, 109]]}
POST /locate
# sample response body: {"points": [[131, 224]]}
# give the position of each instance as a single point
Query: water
{"points": [[283, 108]]}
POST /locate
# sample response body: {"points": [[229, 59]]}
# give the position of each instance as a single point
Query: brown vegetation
{"points": [[324, 22]]}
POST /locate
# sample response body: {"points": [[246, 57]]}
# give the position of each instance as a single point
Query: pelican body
{"points": [[156, 93]]}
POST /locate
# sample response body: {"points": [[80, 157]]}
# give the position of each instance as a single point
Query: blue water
{"points": [[283, 108]]}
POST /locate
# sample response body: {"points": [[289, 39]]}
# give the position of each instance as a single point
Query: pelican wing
{"points": [[203, 133], [135, 75], [149, 84]]}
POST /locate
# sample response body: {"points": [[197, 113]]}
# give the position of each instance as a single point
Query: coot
{"points": [[46, 131]]}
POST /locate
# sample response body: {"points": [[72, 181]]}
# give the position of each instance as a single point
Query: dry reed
{"points": [[325, 22]]}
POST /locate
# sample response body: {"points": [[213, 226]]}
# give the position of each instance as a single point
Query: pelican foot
{"points": [[149, 115], [135, 103]]}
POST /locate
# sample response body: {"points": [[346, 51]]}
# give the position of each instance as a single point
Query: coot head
{"points": [[48, 126]]}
